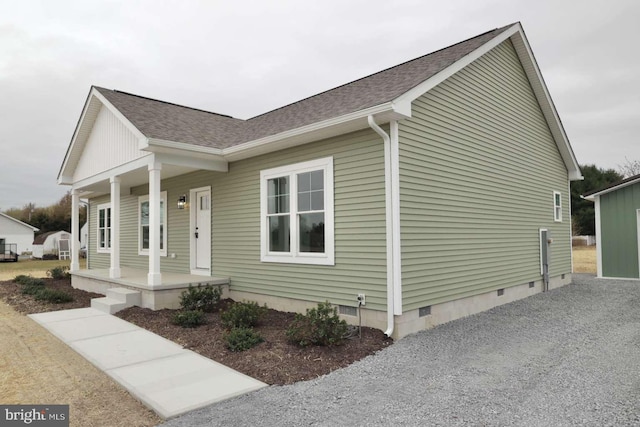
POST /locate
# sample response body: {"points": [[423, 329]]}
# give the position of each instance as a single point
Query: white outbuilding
{"points": [[15, 232], [52, 243]]}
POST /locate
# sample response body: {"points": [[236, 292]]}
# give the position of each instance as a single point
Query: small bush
{"points": [[52, 295], [242, 315], [189, 318], [241, 339], [22, 279], [58, 273], [30, 285], [320, 326], [201, 298]]}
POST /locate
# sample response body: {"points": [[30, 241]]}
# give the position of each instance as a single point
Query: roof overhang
{"points": [[624, 183], [398, 109], [525, 54], [19, 222]]}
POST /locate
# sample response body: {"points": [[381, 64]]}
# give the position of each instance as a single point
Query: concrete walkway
{"points": [[163, 375]]}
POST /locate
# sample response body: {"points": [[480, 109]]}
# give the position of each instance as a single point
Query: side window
{"points": [[557, 206]]}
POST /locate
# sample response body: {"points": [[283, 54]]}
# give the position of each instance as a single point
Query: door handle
{"points": [[196, 233]]}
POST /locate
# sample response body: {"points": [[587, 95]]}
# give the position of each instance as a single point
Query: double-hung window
{"points": [[104, 228], [296, 204], [143, 224], [557, 206]]}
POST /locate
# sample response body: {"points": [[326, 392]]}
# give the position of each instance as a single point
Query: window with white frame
{"points": [[557, 206], [296, 204], [143, 224], [104, 228]]}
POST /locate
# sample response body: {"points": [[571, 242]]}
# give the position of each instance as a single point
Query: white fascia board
{"points": [[525, 54], [427, 85], [138, 163], [276, 142], [201, 161], [591, 197], [118, 114], [19, 222], [156, 144], [62, 176], [65, 176]]}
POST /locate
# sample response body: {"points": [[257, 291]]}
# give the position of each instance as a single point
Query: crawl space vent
{"points": [[424, 311], [500, 292], [347, 310], [531, 284]]}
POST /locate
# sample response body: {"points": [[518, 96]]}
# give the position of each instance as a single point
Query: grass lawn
{"points": [[33, 267], [584, 259]]}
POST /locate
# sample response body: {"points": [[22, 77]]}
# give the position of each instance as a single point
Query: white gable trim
{"points": [[90, 111], [521, 45], [19, 222]]}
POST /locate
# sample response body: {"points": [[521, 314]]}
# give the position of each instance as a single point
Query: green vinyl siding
{"points": [[619, 233], [478, 167], [359, 217]]}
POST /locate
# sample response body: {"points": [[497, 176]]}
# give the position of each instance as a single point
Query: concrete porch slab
{"points": [[160, 373]]}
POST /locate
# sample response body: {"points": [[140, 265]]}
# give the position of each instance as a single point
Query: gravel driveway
{"points": [[567, 357]]}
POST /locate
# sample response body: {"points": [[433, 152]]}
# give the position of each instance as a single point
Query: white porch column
{"points": [[75, 230], [114, 271], [154, 277]]}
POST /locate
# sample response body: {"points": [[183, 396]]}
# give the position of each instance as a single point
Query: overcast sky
{"points": [[244, 58]]}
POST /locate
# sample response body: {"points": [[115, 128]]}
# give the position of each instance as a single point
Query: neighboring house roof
{"points": [[612, 187], [39, 240], [19, 222], [387, 95]]}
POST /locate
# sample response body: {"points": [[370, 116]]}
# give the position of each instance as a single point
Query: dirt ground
{"points": [[275, 361], [584, 259], [37, 368]]}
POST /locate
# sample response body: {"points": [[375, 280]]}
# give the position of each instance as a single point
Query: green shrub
{"points": [[201, 298], [58, 273], [320, 326], [189, 318], [30, 285], [241, 339], [22, 279], [52, 295], [242, 315]]}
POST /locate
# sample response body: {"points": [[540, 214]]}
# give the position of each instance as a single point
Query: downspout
{"points": [[389, 223]]}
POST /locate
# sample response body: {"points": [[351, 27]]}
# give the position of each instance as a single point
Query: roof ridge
{"points": [[168, 103], [381, 71]]}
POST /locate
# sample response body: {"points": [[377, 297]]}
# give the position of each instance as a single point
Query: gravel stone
{"points": [[568, 357]]}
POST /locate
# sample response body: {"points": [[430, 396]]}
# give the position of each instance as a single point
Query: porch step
{"points": [[117, 299], [128, 296], [108, 305]]}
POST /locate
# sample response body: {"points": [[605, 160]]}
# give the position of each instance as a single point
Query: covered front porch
{"points": [[165, 294]]}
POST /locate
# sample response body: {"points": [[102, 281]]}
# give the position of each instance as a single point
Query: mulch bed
{"points": [[275, 361]]}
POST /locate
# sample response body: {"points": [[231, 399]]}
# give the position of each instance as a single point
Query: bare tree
{"points": [[629, 168]]}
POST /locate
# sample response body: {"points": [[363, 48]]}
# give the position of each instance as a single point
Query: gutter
{"points": [[392, 222]]}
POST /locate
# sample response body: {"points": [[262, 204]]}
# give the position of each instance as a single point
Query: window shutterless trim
{"points": [[106, 207], [294, 256], [557, 208], [163, 199]]}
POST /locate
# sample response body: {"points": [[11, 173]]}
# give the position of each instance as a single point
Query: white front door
{"points": [[201, 231]]}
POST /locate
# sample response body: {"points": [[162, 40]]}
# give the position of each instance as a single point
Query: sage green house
{"points": [[425, 192], [618, 228]]}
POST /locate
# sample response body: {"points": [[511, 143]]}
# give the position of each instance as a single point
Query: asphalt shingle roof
{"points": [[163, 120]]}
